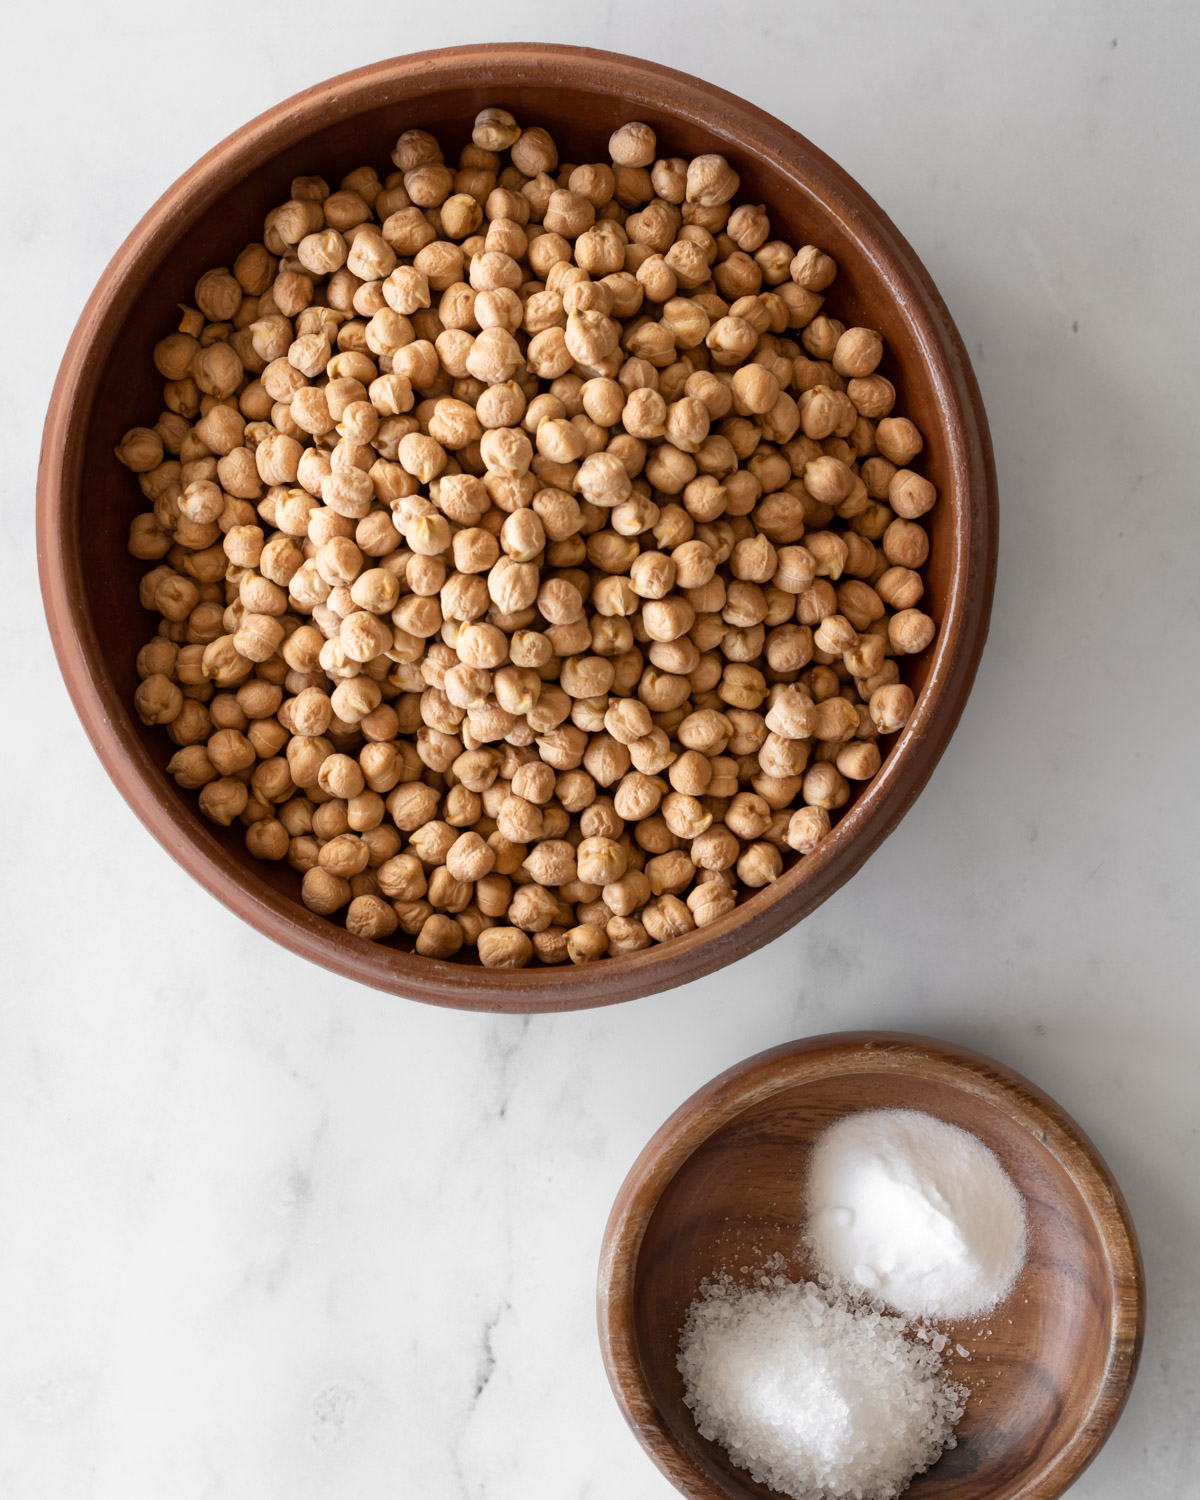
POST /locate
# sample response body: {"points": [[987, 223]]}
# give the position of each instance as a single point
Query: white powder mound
{"points": [[818, 1396], [916, 1212]]}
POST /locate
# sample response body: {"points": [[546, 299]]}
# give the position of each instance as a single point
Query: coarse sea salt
{"points": [[816, 1393]]}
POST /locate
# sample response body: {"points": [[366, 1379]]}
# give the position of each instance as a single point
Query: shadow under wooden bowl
{"points": [[720, 1188], [107, 384]]}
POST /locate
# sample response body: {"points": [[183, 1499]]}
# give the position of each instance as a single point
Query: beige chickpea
{"points": [[857, 352], [690, 773], [158, 700], [469, 858], [344, 856], [670, 873], [534, 783], [632, 145], [324, 892], [900, 588], [667, 619], [685, 815], [412, 915], [891, 707], [605, 759], [710, 181], [504, 948], [761, 864], [626, 935], [824, 786], [637, 796], [910, 631], [666, 917], [371, 917], [717, 848], [905, 544], [710, 901], [440, 936], [742, 686], [626, 894], [835, 634], [791, 713], [899, 440], [519, 820], [601, 861], [910, 494], [402, 877], [627, 720], [652, 754], [230, 752], [340, 776], [551, 862], [707, 731], [836, 720], [533, 908], [493, 894], [859, 761], [806, 828], [586, 943], [866, 659], [267, 838], [748, 815]]}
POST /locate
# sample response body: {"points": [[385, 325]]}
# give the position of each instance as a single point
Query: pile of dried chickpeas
{"points": [[532, 552]]}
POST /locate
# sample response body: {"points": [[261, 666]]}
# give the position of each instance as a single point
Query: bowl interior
{"points": [[1035, 1363], [333, 130]]}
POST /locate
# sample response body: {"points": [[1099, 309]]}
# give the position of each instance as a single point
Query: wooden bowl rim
{"points": [[732, 1093], [956, 652]]}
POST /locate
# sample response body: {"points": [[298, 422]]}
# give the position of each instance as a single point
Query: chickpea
{"points": [[440, 936], [371, 917], [587, 943], [324, 892], [761, 864], [710, 901], [910, 631], [806, 828], [667, 917], [504, 948]]}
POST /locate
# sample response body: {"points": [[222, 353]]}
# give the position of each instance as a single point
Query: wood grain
{"points": [[720, 1187], [107, 384]]}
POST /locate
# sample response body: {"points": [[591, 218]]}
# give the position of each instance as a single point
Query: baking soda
{"points": [[916, 1212]]}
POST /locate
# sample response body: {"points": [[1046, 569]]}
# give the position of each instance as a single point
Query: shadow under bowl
{"points": [[108, 384], [721, 1186]]}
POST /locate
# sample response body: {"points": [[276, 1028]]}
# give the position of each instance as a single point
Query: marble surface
{"points": [[266, 1234]]}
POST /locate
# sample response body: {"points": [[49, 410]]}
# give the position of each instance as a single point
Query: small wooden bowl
{"points": [[721, 1186], [107, 384]]}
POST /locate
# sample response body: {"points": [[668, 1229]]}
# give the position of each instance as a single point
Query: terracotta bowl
{"points": [[107, 384], [721, 1187]]}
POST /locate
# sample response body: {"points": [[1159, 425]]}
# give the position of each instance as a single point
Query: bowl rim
{"points": [[956, 652], [722, 1100]]}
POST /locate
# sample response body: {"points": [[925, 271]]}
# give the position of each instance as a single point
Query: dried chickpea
{"points": [[504, 948], [759, 865]]}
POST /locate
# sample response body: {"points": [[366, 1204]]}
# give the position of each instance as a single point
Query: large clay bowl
{"points": [[107, 384], [722, 1185]]}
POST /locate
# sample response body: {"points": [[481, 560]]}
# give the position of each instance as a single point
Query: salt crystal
{"points": [[814, 1393]]}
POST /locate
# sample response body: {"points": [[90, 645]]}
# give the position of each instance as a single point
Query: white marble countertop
{"points": [[267, 1234]]}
